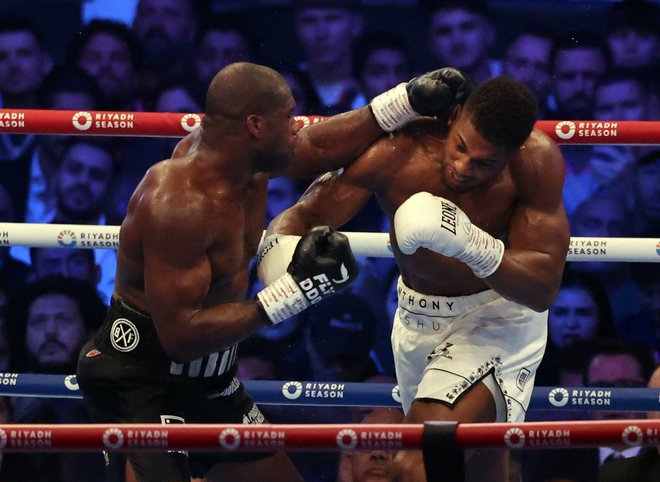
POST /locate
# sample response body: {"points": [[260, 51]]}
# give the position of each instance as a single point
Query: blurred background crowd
{"points": [[584, 60]]}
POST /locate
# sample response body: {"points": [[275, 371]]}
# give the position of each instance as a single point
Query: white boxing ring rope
{"points": [[76, 438], [631, 250]]}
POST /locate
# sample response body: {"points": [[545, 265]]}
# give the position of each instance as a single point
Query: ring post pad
{"points": [[442, 459]]}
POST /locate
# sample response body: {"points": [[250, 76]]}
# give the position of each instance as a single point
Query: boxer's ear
{"points": [[255, 125]]}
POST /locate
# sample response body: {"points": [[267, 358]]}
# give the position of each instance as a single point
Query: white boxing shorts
{"points": [[444, 345]]}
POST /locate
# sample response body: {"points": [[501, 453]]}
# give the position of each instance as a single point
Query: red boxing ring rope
{"points": [[163, 124], [315, 437]]}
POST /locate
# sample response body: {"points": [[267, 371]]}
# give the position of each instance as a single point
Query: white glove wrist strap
{"points": [[282, 299], [392, 108], [483, 253]]}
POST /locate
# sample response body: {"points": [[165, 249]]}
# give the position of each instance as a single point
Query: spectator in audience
{"points": [[48, 322], [606, 215], [82, 184], [581, 312], [70, 263], [643, 467], [632, 34], [50, 319], [646, 186], [373, 465], [579, 59], [65, 88], [326, 30], [109, 52], [166, 30], [382, 61], [527, 60], [222, 40], [461, 36], [619, 95], [613, 362], [24, 63]]}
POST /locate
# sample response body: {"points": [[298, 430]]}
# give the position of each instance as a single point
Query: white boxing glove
{"points": [[435, 223], [274, 255]]}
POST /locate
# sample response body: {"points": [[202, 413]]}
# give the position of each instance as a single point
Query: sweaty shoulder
{"points": [[169, 197], [390, 154], [539, 163]]}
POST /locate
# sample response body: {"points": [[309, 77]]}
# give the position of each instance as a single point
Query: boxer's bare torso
{"points": [[517, 200]]}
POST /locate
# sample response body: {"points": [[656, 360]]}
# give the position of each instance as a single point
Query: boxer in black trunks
{"points": [[165, 353]]}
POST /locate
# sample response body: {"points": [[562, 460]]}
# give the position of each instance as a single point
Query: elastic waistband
{"points": [[440, 306], [131, 334]]}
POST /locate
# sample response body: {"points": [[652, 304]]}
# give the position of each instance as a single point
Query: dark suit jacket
{"points": [[644, 467]]}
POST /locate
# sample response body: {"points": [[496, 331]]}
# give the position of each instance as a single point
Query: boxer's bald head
{"points": [[242, 89]]}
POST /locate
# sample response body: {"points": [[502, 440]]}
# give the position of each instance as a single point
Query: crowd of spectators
{"points": [[160, 55]]}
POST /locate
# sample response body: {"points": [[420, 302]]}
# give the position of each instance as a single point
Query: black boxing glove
{"points": [[433, 94], [322, 264]]}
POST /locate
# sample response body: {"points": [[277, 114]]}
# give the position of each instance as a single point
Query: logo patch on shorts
{"points": [[92, 353], [124, 335], [521, 379]]}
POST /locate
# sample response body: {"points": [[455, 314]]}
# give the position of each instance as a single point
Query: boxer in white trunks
{"points": [[480, 236]]}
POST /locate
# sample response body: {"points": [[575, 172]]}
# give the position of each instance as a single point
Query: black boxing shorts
{"points": [[125, 377]]}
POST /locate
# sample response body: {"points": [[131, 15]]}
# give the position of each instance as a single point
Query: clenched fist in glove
{"points": [[434, 94], [435, 223], [322, 264]]}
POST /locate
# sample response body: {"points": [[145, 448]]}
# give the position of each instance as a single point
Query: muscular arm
{"points": [[333, 143], [333, 199], [178, 276], [538, 237]]}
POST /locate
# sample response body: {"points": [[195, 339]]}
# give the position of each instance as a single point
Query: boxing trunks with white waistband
{"points": [[126, 377], [444, 345]]}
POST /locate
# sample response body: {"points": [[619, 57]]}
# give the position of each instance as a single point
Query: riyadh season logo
{"points": [[230, 438], [287, 390], [67, 239], [562, 133], [632, 436], [82, 120], [396, 394], [71, 383], [657, 248], [113, 438], [558, 397], [347, 439], [186, 122], [514, 438]]}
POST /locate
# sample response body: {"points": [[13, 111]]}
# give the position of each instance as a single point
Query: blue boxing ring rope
{"points": [[341, 394]]}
